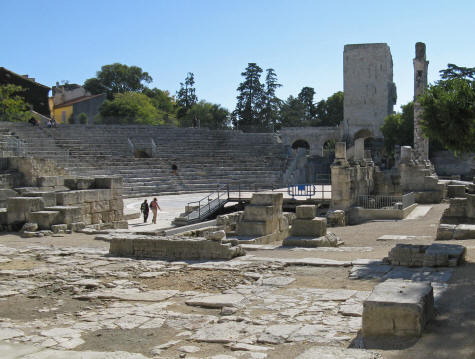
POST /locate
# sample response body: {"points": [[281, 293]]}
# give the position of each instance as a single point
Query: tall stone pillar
{"points": [[421, 143]]}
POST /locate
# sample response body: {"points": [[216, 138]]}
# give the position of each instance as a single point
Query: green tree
{"points": [[448, 114], [292, 113], [82, 118], [12, 106], [164, 103], [250, 99], [329, 112], [457, 72], [398, 128], [209, 115], [270, 112], [117, 78], [186, 95], [306, 96], [129, 108]]}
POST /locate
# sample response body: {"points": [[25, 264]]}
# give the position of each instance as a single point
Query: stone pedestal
{"points": [[262, 216], [398, 308]]}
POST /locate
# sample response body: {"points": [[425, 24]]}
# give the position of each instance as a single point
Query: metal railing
{"points": [[154, 147], [208, 205], [319, 191], [386, 202]]}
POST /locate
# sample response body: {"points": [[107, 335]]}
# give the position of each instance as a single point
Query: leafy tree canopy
{"points": [[12, 106], [449, 113], [292, 113], [457, 72], [207, 114], [329, 112], [117, 78], [398, 129], [130, 108]]}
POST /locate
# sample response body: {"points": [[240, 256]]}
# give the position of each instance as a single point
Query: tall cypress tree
{"points": [[270, 112], [186, 95], [251, 97]]}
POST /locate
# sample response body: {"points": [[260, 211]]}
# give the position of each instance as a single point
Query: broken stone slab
{"points": [[129, 295], [399, 308], [277, 281], [395, 237], [58, 228], [464, 231], [315, 227], [328, 240], [45, 219], [329, 352], [306, 211], [9, 333], [277, 334], [19, 208], [218, 301], [29, 227], [221, 333], [445, 232], [455, 254]]}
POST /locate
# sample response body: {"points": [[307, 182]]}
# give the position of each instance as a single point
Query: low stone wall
{"points": [[461, 210], [171, 248], [357, 215], [434, 255], [446, 232]]}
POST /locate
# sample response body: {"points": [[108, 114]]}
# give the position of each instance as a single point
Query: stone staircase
{"points": [[205, 158]]}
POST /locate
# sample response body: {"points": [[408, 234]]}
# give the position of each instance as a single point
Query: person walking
{"points": [[144, 209], [155, 207]]}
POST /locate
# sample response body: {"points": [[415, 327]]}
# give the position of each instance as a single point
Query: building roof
{"points": [[78, 99], [23, 77]]}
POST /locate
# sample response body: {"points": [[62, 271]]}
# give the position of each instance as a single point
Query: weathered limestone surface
{"points": [[421, 143], [398, 307], [370, 92], [19, 208]]}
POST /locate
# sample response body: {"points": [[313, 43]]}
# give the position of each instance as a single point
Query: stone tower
{"points": [[421, 143], [370, 92]]}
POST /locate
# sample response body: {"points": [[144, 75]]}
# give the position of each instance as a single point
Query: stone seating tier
{"points": [[205, 158]]}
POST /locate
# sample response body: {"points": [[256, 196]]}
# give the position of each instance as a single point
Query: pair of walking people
{"points": [[145, 207]]}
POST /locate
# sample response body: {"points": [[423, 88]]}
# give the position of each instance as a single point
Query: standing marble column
{"points": [[421, 143]]}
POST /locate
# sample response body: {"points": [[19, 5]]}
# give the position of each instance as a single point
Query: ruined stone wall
{"points": [[33, 168], [421, 143], [370, 92]]}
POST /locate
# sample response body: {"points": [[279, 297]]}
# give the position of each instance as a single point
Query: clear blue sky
{"points": [[215, 39]]}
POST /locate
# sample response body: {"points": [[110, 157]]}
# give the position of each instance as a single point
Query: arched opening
{"points": [[300, 144], [329, 148], [364, 133]]}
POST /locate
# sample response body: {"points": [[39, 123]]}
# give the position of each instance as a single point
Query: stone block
{"points": [[453, 252], [455, 191], [3, 216], [259, 212], [20, 207], [255, 228], [45, 219], [120, 225], [306, 211], [398, 308], [77, 226], [79, 183], [315, 227], [119, 215], [108, 217], [96, 218], [50, 181], [340, 150], [445, 232], [123, 246], [336, 218], [268, 199], [67, 214], [215, 235], [87, 219], [59, 228], [463, 231], [328, 240], [68, 198], [100, 206], [110, 182], [104, 194], [116, 205], [48, 197], [29, 227]]}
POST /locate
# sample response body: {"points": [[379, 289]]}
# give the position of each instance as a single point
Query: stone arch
{"points": [[300, 144], [363, 133]]}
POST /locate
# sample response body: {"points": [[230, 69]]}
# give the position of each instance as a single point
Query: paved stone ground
{"points": [[65, 297]]}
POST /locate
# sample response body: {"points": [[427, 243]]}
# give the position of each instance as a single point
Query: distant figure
{"points": [[53, 123], [195, 122], [154, 206], [33, 121], [175, 169], [144, 209], [48, 124]]}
